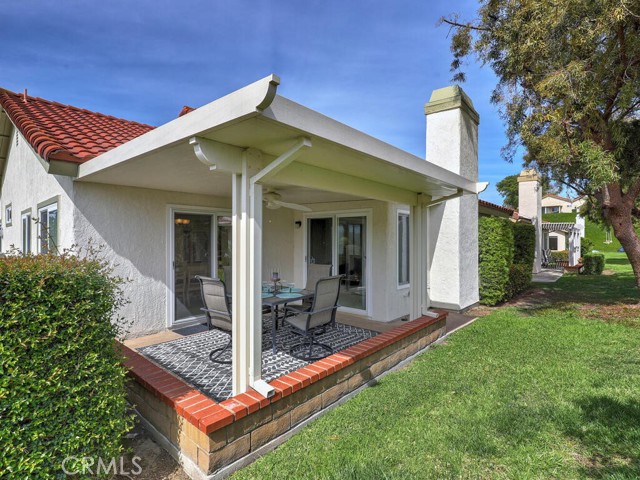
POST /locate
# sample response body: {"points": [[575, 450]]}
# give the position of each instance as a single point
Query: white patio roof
{"points": [[558, 226], [341, 160]]}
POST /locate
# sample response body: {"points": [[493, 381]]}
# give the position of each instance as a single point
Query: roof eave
{"points": [[236, 106]]}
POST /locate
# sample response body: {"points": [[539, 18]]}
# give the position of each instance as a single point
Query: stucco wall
{"points": [[26, 184], [278, 243], [131, 224], [452, 143]]}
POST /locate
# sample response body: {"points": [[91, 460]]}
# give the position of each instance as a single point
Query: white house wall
{"points": [[131, 224], [278, 243], [25, 185]]}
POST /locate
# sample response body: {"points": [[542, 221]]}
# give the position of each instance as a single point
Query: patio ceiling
{"points": [[342, 160]]}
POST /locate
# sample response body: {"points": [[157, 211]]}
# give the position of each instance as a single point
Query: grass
{"points": [[541, 390]]}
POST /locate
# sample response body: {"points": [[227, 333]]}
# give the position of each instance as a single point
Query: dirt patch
{"points": [[532, 298], [629, 314], [154, 461]]}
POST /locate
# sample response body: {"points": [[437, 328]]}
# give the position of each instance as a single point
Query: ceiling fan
{"points": [[273, 202]]}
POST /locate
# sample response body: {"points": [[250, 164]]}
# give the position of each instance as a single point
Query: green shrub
{"points": [[593, 263], [524, 239], [495, 257], [61, 379], [560, 255], [586, 246], [519, 279]]}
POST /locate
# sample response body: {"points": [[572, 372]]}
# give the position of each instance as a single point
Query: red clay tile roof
{"points": [[63, 132], [186, 109], [500, 208]]}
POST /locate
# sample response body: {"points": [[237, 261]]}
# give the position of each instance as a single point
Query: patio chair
{"points": [[309, 323], [217, 308], [315, 271]]}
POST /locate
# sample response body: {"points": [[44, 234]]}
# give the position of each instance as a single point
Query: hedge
{"points": [[524, 238], [496, 248], [593, 263], [519, 279], [61, 379]]}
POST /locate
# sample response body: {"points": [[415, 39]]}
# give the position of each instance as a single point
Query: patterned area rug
{"points": [[188, 357]]}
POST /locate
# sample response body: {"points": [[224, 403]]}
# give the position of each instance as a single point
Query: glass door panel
{"points": [[192, 256], [224, 248], [351, 256], [320, 241]]}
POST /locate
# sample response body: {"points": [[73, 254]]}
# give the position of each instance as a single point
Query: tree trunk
{"points": [[622, 223]]}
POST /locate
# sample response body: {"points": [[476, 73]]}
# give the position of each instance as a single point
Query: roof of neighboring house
{"points": [[494, 206], [62, 132], [559, 197]]}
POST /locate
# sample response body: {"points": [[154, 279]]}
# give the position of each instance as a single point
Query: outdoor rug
{"points": [[188, 357]]}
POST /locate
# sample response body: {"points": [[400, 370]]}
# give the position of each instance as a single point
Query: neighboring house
{"points": [[187, 197], [552, 203], [488, 209]]}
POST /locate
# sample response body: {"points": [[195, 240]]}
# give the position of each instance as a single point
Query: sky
{"points": [[370, 64]]}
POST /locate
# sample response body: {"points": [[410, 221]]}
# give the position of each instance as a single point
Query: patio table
{"points": [[274, 301]]}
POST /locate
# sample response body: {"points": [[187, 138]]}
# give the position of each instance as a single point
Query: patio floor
{"points": [[188, 357], [185, 352]]}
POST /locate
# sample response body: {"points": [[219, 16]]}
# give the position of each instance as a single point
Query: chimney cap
{"points": [[449, 98], [528, 175]]}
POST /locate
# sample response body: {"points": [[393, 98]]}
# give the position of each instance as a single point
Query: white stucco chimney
{"points": [[530, 206], [452, 143]]}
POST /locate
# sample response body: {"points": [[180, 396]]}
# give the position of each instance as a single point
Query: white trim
{"points": [[47, 206], [402, 211], [26, 215], [171, 210], [8, 214], [335, 215]]}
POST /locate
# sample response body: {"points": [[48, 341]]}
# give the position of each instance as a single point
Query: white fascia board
{"points": [[287, 112], [236, 106]]}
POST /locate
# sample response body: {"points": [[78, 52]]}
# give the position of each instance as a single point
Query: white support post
{"points": [[255, 280], [240, 360], [417, 256], [247, 279]]}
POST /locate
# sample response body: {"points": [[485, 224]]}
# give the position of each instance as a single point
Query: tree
{"points": [[508, 189], [569, 91]]}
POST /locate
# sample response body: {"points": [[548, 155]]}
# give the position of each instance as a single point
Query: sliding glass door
{"points": [[351, 254], [200, 245], [340, 240]]}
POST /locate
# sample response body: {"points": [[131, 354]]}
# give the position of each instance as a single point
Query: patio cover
{"points": [[252, 139]]}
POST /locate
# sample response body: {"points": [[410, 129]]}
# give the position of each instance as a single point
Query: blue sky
{"points": [[370, 64]]}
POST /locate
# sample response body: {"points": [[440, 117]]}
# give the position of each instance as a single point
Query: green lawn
{"points": [[543, 390]]}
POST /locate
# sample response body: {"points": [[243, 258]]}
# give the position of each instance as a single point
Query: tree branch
{"points": [[463, 25]]}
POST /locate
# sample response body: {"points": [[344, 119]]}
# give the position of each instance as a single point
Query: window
{"points": [[551, 209], [403, 249], [553, 243], [48, 218], [26, 233], [8, 220]]}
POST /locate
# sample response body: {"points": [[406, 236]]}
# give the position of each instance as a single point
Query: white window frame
{"points": [[8, 215], [49, 207], [25, 237], [403, 213]]}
